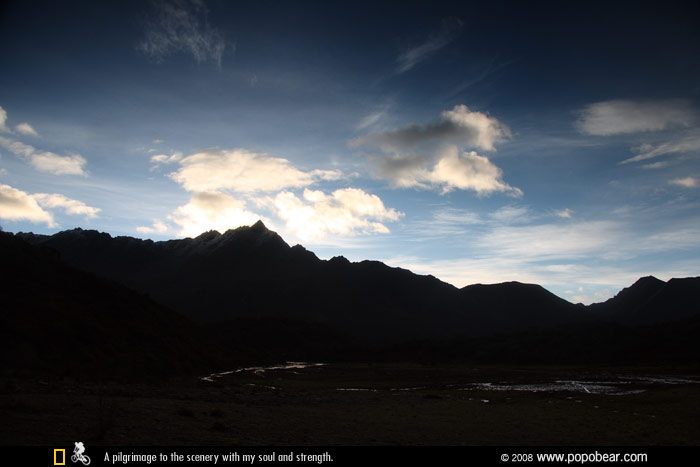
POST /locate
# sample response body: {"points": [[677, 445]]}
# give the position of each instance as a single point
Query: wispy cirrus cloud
{"points": [[553, 241], [599, 282], [676, 118], [182, 26], [558, 253], [373, 118], [686, 182], [411, 57], [686, 143], [511, 215], [622, 116]]}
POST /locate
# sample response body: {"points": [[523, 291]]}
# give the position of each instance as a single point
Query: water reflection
{"points": [[259, 370], [622, 386], [557, 386]]}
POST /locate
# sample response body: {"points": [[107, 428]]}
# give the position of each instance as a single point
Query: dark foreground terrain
{"points": [[111, 341], [364, 404]]}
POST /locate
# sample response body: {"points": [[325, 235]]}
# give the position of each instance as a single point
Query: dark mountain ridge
{"points": [[250, 272], [61, 321], [83, 302], [650, 300]]}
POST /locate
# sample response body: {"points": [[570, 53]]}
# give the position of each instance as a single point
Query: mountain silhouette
{"points": [[81, 301], [678, 299], [61, 321], [651, 300], [251, 273]]}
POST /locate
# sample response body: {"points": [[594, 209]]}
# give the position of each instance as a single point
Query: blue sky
{"points": [[550, 143]]}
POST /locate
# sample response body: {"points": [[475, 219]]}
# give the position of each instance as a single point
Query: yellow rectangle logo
{"points": [[59, 457]]}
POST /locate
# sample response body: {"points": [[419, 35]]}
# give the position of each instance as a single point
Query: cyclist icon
{"points": [[78, 454]]}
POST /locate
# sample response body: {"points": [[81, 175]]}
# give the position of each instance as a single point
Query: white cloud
{"points": [[182, 26], [160, 159], [70, 206], [687, 182], [469, 171], [656, 165], [632, 116], [22, 128], [564, 213], [58, 165], [244, 171], [3, 120], [26, 129], [347, 211], [212, 210], [413, 56], [428, 156], [17, 205], [263, 181], [485, 131], [16, 147], [45, 161], [157, 226], [450, 171], [459, 126]]}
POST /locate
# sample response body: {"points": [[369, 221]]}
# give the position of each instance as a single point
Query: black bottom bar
{"points": [[343, 455]]}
